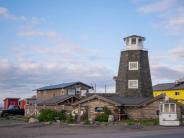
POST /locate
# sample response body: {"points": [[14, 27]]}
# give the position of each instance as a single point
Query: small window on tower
{"points": [[133, 84], [133, 65], [140, 40], [133, 41], [177, 93]]}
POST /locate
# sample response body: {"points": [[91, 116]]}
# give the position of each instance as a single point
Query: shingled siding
{"points": [[46, 94], [145, 112], [42, 95], [92, 104], [142, 74]]}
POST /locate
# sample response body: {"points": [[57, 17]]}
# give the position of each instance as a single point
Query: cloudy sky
{"points": [[49, 42]]}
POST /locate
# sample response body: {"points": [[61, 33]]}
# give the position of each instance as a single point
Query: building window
{"points": [[77, 90], [133, 84], [177, 93], [133, 65], [166, 109], [172, 108], [83, 92], [99, 109], [161, 108], [133, 41], [71, 91]]}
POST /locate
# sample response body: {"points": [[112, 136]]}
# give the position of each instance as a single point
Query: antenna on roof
{"points": [[179, 81], [94, 87]]}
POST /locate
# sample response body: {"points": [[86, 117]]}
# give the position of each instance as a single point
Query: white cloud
{"points": [[168, 14], [157, 6], [4, 64], [175, 23], [167, 66], [51, 60], [177, 53], [163, 73], [5, 13], [60, 61], [37, 33]]}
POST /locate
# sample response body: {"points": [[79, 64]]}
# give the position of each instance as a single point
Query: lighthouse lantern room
{"points": [[134, 42]]}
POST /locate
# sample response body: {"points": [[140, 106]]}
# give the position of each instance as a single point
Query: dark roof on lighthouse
{"points": [[134, 36]]}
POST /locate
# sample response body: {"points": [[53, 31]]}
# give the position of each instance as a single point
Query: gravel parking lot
{"points": [[21, 129]]}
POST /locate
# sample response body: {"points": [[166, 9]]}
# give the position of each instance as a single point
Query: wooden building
{"points": [[173, 90], [59, 97], [57, 103], [10, 101], [133, 108], [78, 89], [24, 103]]}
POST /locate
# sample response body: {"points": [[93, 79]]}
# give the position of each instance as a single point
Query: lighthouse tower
{"points": [[134, 79]]}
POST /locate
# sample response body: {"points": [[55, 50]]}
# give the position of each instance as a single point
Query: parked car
{"points": [[12, 110]]}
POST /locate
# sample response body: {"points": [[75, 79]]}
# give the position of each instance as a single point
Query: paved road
{"points": [[170, 133], [16, 129]]}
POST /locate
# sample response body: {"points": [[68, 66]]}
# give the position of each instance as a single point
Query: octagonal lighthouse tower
{"points": [[134, 79]]}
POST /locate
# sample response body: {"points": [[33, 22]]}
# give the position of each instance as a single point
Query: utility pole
{"points": [[105, 88], [95, 87]]}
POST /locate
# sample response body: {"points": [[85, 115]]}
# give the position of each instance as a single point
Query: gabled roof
{"points": [[120, 100], [11, 98], [55, 100], [168, 86], [63, 85], [128, 101]]}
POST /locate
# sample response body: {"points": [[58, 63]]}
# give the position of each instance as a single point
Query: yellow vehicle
{"points": [[173, 90]]}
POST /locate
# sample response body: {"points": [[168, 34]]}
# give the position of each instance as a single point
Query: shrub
{"points": [[47, 115], [103, 117], [51, 115], [61, 115], [107, 111], [70, 118]]}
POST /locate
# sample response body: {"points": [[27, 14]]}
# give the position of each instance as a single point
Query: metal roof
{"points": [[128, 100], [168, 86], [63, 85], [55, 100], [119, 100]]}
